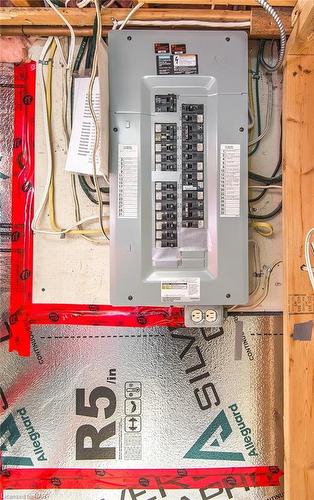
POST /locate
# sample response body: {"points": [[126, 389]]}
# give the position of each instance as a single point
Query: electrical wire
{"points": [[187, 22], [72, 34], [271, 11], [269, 186], [89, 191], [269, 111], [130, 14], [257, 266], [95, 119], [251, 121], [276, 170], [50, 55], [265, 288], [45, 194], [256, 77], [265, 180], [270, 215], [308, 247]]}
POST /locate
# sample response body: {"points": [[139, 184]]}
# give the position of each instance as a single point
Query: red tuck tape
{"points": [[149, 479], [23, 313]]}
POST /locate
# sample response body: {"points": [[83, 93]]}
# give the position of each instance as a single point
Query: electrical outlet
{"points": [[197, 315], [211, 315], [203, 316]]}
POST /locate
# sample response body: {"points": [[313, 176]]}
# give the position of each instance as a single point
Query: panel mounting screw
{"points": [[228, 295], [241, 129], [129, 38], [115, 129], [130, 297], [227, 39]]}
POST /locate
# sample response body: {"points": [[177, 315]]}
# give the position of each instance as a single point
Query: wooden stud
{"points": [[301, 41], [85, 17], [19, 17], [27, 3], [298, 218], [241, 3], [262, 24]]}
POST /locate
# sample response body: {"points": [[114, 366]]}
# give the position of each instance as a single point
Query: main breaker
{"points": [[179, 221]]}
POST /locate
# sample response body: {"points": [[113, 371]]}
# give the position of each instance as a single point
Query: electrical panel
{"points": [[178, 111]]}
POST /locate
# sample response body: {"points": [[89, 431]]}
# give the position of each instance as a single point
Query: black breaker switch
{"points": [[193, 165], [166, 214], [166, 103]]}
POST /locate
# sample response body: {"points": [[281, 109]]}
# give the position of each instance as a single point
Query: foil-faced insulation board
{"points": [[181, 398]]}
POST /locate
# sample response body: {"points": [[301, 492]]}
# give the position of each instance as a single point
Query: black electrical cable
{"points": [[262, 58], [265, 180], [58, 3], [91, 46], [278, 166], [270, 215], [92, 190], [256, 77], [80, 53], [103, 189], [87, 191]]}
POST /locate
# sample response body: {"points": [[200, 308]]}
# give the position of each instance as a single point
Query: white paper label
{"points": [[81, 147], [185, 60], [180, 290], [127, 181], [230, 180]]}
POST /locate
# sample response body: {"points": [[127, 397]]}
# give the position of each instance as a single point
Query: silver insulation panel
{"points": [[153, 374]]}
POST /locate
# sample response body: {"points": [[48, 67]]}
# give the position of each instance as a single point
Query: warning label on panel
{"points": [[164, 64], [230, 180], [180, 290], [185, 64], [127, 181], [178, 64]]}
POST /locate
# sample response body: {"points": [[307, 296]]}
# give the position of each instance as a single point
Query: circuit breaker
{"points": [[178, 181]]}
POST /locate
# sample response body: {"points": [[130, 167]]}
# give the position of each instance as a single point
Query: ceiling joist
{"points": [[31, 21], [240, 3]]}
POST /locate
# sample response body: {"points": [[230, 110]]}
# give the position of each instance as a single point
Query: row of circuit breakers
{"points": [[179, 232]]}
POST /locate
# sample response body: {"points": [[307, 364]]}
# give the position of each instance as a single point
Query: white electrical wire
{"points": [[95, 119], [44, 199], [307, 249], [130, 14], [188, 22], [249, 307], [271, 11], [69, 63], [269, 186], [269, 113], [45, 194], [68, 229]]}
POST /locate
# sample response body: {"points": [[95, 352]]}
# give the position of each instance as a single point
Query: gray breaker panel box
{"points": [[178, 180]]}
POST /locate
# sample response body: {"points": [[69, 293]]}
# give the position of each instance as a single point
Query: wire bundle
{"points": [[263, 228]]}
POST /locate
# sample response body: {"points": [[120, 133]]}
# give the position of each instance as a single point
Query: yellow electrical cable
{"points": [[51, 205], [50, 55]]}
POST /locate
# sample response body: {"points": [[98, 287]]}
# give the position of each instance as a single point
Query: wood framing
{"points": [[37, 20], [242, 3], [27, 3], [298, 218], [302, 38]]}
